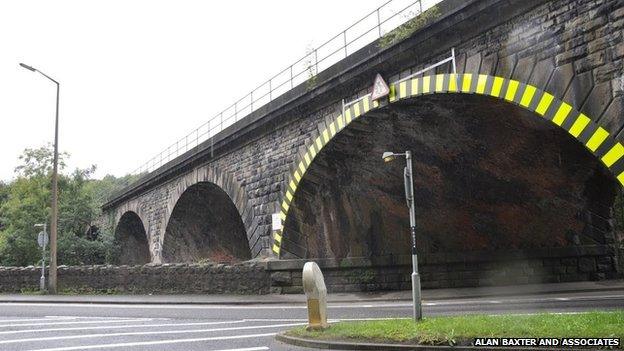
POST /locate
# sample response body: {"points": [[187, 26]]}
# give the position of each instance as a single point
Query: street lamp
{"points": [[409, 196], [54, 220]]}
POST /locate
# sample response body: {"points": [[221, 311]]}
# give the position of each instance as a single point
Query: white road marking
{"points": [[86, 336], [35, 320], [163, 342], [276, 320], [117, 327], [77, 322], [303, 306], [562, 299]]}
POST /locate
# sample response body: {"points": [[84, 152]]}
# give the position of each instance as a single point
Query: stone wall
{"points": [[347, 275], [248, 278], [477, 269]]}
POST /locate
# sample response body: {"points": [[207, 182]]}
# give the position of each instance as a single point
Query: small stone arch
{"points": [[132, 240], [202, 192]]}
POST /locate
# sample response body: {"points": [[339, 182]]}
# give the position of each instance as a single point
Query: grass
{"points": [[461, 330]]}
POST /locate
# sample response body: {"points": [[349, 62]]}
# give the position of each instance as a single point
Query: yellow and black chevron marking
{"points": [[594, 137]]}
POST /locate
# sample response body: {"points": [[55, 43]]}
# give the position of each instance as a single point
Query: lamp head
{"points": [[388, 156], [27, 67]]}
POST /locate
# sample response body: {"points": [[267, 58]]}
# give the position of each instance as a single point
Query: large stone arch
{"points": [[211, 190], [582, 127], [132, 239]]}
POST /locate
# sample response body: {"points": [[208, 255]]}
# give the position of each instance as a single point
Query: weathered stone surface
{"points": [[587, 264], [488, 66], [473, 63], [281, 279], [613, 118], [524, 68], [542, 72], [598, 100], [561, 78], [506, 66], [247, 278], [579, 89]]}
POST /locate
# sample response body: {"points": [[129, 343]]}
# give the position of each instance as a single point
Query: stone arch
{"points": [[132, 239], [208, 210], [582, 127]]}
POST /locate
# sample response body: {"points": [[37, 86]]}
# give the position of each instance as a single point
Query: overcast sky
{"points": [[137, 75]]}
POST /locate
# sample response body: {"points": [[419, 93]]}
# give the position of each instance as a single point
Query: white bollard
{"points": [[316, 294]]}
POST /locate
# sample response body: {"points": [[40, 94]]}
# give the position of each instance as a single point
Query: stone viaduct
{"points": [[518, 155]]}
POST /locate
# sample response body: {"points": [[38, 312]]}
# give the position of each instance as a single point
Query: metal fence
{"points": [[369, 28]]}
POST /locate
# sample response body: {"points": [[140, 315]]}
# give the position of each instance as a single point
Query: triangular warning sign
{"points": [[380, 88]]}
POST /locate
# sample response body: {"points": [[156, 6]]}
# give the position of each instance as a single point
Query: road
{"points": [[171, 327]]}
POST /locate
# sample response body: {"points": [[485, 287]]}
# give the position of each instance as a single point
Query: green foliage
{"points": [[102, 189], [406, 30], [38, 162], [311, 68], [462, 329], [26, 201]]}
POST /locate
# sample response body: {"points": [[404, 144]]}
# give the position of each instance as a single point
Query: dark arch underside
{"points": [[131, 239], [205, 224], [489, 175]]}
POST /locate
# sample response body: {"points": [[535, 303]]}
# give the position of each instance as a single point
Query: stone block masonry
{"points": [[247, 278], [346, 275]]}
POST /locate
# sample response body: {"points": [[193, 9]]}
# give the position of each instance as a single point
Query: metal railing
{"points": [[369, 28]]}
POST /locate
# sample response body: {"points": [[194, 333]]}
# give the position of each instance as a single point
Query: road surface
{"points": [[176, 327]]}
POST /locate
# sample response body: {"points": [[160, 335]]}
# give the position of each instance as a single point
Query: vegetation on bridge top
{"points": [[410, 27]]}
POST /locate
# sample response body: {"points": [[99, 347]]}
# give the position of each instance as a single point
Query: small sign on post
{"points": [[42, 239], [276, 222], [380, 88]]}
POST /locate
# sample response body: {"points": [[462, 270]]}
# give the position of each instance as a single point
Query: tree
{"points": [[26, 201], [39, 162]]}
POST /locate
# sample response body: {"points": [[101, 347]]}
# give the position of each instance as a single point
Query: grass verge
{"points": [[461, 330]]}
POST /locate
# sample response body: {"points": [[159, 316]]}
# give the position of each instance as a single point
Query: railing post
{"points": [[344, 35], [291, 76], [379, 22], [270, 90], [221, 124], [235, 111], [251, 99], [316, 70]]}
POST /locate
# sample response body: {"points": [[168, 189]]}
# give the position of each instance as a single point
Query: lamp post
{"points": [[409, 196], [54, 206]]}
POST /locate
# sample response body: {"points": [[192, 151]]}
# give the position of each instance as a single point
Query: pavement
{"points": [[438, 294], [237, 323]]}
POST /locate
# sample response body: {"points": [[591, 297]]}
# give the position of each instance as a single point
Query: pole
{"points": [[42, 279], [54, 221], [54, 209], [409, 186]]}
